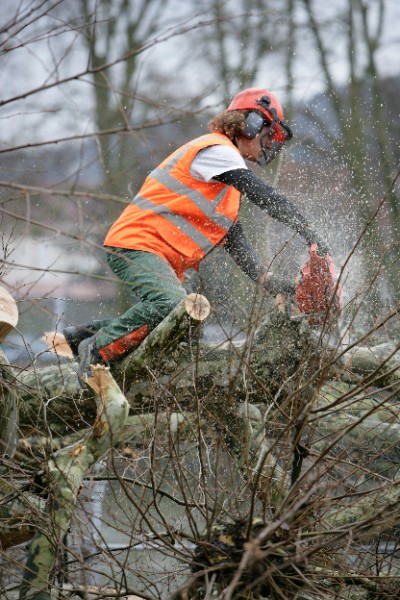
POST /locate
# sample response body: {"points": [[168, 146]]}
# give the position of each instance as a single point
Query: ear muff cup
{"points": [[253, 125]]}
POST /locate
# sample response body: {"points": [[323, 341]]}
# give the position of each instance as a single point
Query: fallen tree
{"points": [[298, 417]]}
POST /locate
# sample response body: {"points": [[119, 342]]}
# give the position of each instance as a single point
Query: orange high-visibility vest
{"points": [[175, 215]]}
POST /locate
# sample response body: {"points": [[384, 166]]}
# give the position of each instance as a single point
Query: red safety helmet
{"points": [[264, 110], [249, 99]]}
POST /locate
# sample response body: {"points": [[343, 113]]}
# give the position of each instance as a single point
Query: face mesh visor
{"points": [[274, 138]]}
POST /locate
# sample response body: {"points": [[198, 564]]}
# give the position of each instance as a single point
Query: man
{"points": [[186, 207]]}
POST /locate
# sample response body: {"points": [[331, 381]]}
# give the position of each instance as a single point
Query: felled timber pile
{"points": [[312, 437]]}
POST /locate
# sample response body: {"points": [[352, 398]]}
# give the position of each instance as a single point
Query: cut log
{"points": [[249, 368], [8, 313], [197, 306]]}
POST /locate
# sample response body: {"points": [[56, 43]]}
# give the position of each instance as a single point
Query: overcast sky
{"points": [[61, 111]]}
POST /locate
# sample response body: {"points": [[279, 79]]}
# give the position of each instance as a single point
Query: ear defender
{"points": [[253, 125]]}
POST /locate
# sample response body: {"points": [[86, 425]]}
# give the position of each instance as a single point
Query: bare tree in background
{"points": [[118, 29]]}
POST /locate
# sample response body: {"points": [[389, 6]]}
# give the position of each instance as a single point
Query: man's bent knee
{"points": [[164, 306]]}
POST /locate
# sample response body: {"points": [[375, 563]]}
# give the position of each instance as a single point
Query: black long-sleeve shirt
{"points": [[276, 205]]}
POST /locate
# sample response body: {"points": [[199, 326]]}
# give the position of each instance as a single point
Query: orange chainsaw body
{"points": [[317, 290]]}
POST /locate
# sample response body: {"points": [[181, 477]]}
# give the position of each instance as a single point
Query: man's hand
{"points": [[322, 248], [275, 285]]}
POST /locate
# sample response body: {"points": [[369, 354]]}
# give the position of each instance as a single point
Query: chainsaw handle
{"points": [[319, 249]]}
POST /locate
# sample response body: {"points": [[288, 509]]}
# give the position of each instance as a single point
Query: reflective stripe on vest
{"points": [[163, 176]]}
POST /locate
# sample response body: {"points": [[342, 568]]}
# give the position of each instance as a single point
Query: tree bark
{"points": [[253, 369], [9, 419], [65, 473]]}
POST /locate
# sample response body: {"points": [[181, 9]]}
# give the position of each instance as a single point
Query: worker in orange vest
{"points": [[186, 207]]}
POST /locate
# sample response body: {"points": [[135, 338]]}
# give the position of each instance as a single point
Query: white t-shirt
{"points": [[214, 160]]}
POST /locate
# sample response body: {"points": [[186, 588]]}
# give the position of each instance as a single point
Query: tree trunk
{"points": [[65, 473], [230, 392]]}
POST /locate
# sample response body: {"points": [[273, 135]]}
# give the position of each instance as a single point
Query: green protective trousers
{"points": [[154, 282]]}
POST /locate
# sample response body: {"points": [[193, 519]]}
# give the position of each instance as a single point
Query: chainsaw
{"points": [[317, 289]]}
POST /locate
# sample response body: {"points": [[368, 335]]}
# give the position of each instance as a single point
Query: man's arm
{"points": [[276, 205], [242, 252], [245, 256]]}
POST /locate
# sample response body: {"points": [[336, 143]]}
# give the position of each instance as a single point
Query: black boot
{"points": [[88, 355], [75, 335]]}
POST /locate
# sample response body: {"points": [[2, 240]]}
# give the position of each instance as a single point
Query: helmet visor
{"points": [[277, 131], [274, 138]]}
